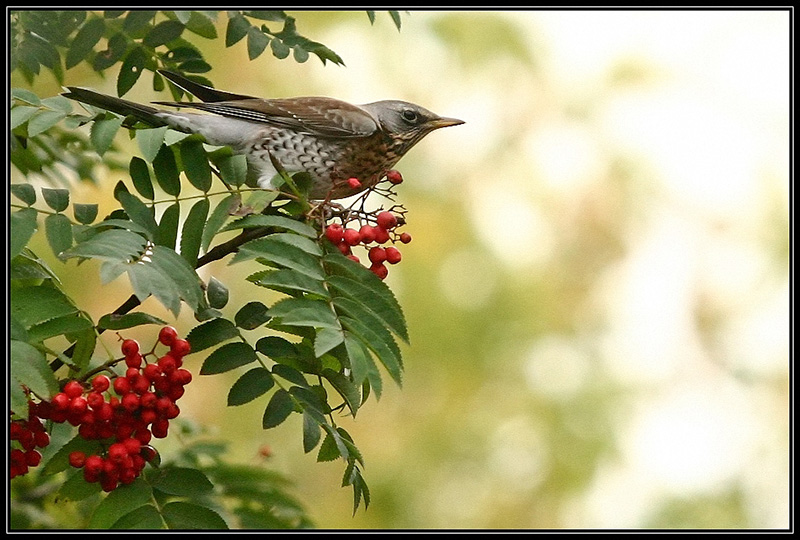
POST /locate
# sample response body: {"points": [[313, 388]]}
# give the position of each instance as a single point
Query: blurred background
{"points": [[598, 288]]}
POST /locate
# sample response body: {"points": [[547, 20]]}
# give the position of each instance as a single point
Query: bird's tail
{"points": [[144, 113], [200, 91]]}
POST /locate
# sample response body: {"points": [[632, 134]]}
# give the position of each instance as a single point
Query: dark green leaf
{"points": [[327, 339], [278, 222], [103, 132], [163, 33], [38, 303], [60, 460], [278, 409], [143, 518], [395, 17], [129, 320], [139, 213], [249, 386], [182, 481], [290, 374], [329, 449], [362, 366], [195, 163], [119, 503], [300, 54], [202, 25], [228, 357], [192, 232], [288, 281], [279, 48], [349, 391], [311, 433], [304, 312], [217, 293], [76, 488], [58, 229], [150, 141], [237, 28], [233, 169], [30, 368], [379, 342], [167, 233], [57, 199], [377, 299], [167, 172], [57, 326], [23, 225], [131, 70], [184, 515], [140, 174], [257, 41], [251, 315], [24, 192], [117, 46], [276, 347], [84, 41], [137, 19], [211, 333], [280, 254], [85, 213], [170, 264], [218, 217]]}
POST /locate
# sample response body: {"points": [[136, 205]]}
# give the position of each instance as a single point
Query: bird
{"points": [[328, 138]]}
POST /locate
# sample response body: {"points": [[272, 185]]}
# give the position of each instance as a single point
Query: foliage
{"points": [[314, 352]]}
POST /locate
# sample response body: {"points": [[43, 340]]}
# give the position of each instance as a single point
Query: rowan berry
{"points": [[379, 270], [334, 233], [352, 237], [393, 255], [386, 220], [130, 347], [367, 233], [354, 183], [73, 389], [377, 255], [394, 177], [167, 335], [101, 383]]}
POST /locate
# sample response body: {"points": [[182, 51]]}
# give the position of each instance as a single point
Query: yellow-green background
{"points": [[598, 287]]}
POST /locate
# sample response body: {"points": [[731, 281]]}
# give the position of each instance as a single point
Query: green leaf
{"points": [[38, 303], [379, 342], [76, 488], [290, 374], [311, 433], [376, 299], [251, 315], [217, 293], [21, 114], [304, 312], [85, 213], [57, 199], [349, 391], [131, 70], [257, 41], [278, 409], [167, 233], [218, 217], [211, 333], [136, 20], [144, 517], [192, 232], [183, 276], [276, 347], [60, 460], [25, 95], [327, 339], [139, 213], [281, 254], [181, 481], [57, 326], [103, 132], [308, 245], [84, 41], [150, 141], [184, 515], [112, 321], [29, 367], [395, 17], [361, 365], [167, 173], [163, 33], [233, 169], [23, 225], [140, 174], [195, 164], [278, 222], [237, 28], [110, 245], [24, 192], [202, 25], [117, 45], [44, 120], [249, 386], [228, 357], [120, 502], [287, 281], [279, 49], [58, 229], [329, 449]]}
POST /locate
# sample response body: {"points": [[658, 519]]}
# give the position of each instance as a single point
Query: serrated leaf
{"points": [[24, 192], [131, 70], [278, 409], [218, 217], [23, 225], [58, 229], [84, 41], [117, 45], [311, 433], [362, 367], [150, 141], [228, 357], [349, 391], [139, 213], [76, 488], [102, 133], [57, 326], [304, 312], [140, 174], [257, 41], [85, 213], [249, 386], [137, 19], [192, 232], [166, 169], [181, 481], [287, 281], [278, 222], [251, 315], [217, 293], [146, 517], [236, 29], [163, 33], [379, 342], [211, 333], [110, 245], [184, 515], [38, 303], [120, 502], [167, 233], [60, 460], [29, 367], [202, 25], [280, 254], [57, 199], [44, 120], [170, 264], [112, 321], [326, 339], [378, 301], [21, 114], [276, 347], [233, 169], [290, 374], [195, 164], [25, 95]]}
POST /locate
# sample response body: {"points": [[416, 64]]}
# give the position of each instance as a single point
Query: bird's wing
{"points": [[325, 117]]}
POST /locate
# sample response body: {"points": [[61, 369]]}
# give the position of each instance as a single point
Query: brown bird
{"points": [[328, 138]]}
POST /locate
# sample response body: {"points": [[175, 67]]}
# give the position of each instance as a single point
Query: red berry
{"points": [[129, 347], [77, 459], [394, 177], [352, 237], [393, 255], [100, 383], [73, 389], [381, 235], [151, 371], [93, 464], [334, 232], [405, 238], [117, 451], [379, 270], [181, 377], [387, 220], [377, 255], [130, 402], [33, 458], [134, 361], [148, 453], [354, 258], [41, 438], [78, 405], [167, 364], [354, 183], [367, 234], [167, 335], [180, 348]]}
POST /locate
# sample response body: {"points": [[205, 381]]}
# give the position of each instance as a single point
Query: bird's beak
{"points": [[444, 122]]}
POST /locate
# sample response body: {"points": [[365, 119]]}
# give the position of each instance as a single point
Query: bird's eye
{"points": [[409, 115]]}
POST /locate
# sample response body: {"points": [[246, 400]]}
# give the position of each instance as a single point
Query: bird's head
{"points": [[407, 122]]}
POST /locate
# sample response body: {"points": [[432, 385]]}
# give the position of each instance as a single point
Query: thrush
{"points": [[330, 139]]}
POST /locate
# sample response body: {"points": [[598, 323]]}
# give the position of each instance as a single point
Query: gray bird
{"points": [[330, 139]]}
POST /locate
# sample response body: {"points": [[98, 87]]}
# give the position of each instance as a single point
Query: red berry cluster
{"points": [[345, 238], [123, 412], [30, 434]]}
